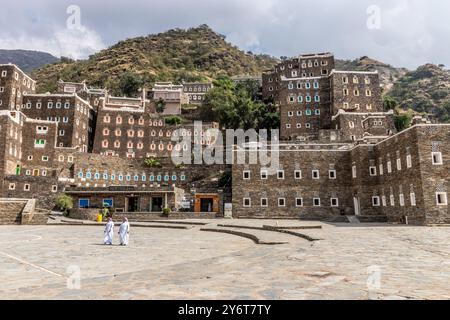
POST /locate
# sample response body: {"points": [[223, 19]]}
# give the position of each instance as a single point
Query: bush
{"points": [[64, 203], [152, 163], [173, 120], [167, 211]]}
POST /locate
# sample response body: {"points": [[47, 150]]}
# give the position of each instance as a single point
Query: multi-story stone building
{"points": [[196, 91], [347, 160], [311, 94], [75, 116], [404, 177], [14, 83]]}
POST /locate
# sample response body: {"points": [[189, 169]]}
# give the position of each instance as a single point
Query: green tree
{"points": [[130, 83], [160, 105], [389, 103], [173, 120], [403, 120], [64, 203]]}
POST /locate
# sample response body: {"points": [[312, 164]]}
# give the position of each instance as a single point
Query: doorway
{"points": [[357, 206], [133, 204], [206, 205], [157, 204]]}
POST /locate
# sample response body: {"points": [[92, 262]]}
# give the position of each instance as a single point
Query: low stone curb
{"points": [[252, 237], [293, 227], [267, 228]]}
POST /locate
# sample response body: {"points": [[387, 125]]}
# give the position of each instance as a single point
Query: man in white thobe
{"points": [[124, 232], [109, 232]]}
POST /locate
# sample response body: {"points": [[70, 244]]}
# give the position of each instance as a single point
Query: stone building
{"points": [[196, 91], [310, 93], [172, 95], [14, 83], [93, 95], [75, 116], [403, 178]]}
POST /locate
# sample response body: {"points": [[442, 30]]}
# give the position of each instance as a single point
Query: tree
{"points": [[389, 103], [160, 105], [403, 120], [173, 120], [64, 203], [130, 83]]}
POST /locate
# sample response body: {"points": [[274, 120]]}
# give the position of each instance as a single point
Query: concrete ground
{"points": [[348, 262]]}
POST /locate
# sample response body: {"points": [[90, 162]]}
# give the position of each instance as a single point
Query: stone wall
{"points": [[11, 211]]}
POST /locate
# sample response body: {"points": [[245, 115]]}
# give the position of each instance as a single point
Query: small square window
{"points": [[264, 202], [315, 174], [26, 187], [298, 174], [437, 158], [264, 175], [376, 201], [281, 202], [334, 202], [280, 174], [247, 202], [299, 202], [316, 202], [373, 171], [332, 174], [12, 186], [246, 175], [441, 198]]}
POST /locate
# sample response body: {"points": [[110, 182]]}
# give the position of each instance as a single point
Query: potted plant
{"points": [[166, 212]]}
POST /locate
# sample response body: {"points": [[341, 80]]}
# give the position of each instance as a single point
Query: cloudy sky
{"points": [[405, 33]]}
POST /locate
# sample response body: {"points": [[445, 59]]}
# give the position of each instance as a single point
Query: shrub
{"points": [[173, 120], [167, 211], [64, 203], [152, 163]]}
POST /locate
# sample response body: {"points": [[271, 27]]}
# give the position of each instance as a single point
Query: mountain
{"points": [[425, 90], [25, 59], [388, 73], [191, 55]]}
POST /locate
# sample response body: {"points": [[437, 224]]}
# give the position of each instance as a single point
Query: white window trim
{"points": [[284, 200], [300, 174], [318, 175], [445, 203], [246, 172], [267, 202], [337, 202], [438, 163], [264, 174], [249, 202], [314, 202], [373, 171], [376, 201], [329, 174], [296, 202]]}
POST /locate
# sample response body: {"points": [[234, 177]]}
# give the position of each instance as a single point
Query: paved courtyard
{"points": [[348, 262]]}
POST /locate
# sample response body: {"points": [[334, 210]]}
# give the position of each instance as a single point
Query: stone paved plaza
{"points": [[37, 262]]}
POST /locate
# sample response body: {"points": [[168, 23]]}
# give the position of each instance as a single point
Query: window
{"points": [[376, 201], [441, 198], [412, 196], [44, 158], [83, 203], [367, 80], [246, 175], [408, 161], [389, 167], [65, 119], [108, 202], [354, 171], [351, 124], [247, 202], [12, 186], [316, 202], [300, 99], [4, 73], [298, 174], [70, 159], [345, 92], [381, 169], [61, 133], [437, 158], [315, 174], [26, 187], [280, 174], [264, 174], [290, 113], [54, 188], [399, 165], [58, 105], [392, 200], [401, 199], [344, 79], [50, 105], [334, 202], [356, 93], [281, 202], [373, 171], [264, 202], [383, 200], [299, 202], [368, 93], [332, 174], [39, 143]]}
